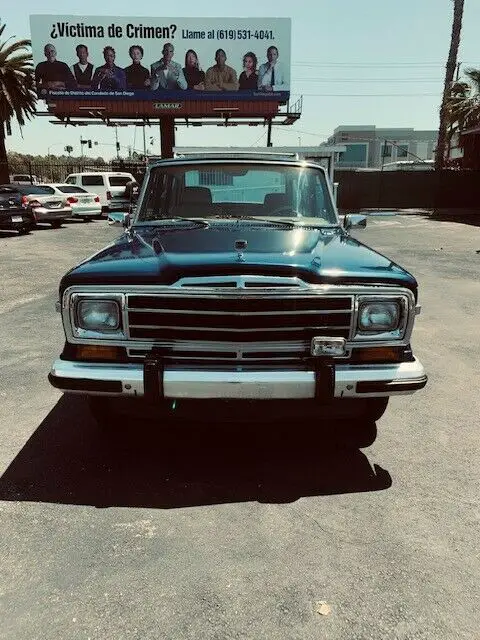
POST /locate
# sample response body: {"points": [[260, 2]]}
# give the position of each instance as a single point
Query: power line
{"points": [[370, 65], [366, 95], [258, 139], [386, 80]]}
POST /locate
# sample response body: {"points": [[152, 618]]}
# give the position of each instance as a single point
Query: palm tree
{"points": [[450, 71], [17, 95], [463, 113]]}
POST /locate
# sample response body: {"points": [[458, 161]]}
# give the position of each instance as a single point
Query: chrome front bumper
{"points": [[344, 381]]}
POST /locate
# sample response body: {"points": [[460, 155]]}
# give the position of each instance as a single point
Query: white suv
{"points": [[108, 185]]}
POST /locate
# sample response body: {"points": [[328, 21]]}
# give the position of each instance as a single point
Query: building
{"points": [[370, 147], [324, 155]]}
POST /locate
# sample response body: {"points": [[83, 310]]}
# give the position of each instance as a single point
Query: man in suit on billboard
{"points": [[167, 74]]}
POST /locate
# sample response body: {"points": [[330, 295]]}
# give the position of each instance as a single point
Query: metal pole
{"points": [[116, 143], [144, 143], [269, 133]]}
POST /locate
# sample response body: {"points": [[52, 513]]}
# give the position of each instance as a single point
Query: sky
{"points": [[375, 62]]}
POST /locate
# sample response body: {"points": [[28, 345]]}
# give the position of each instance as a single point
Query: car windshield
{"points": [[68, 188], [119, 181], [238, 190], [33, 189]]}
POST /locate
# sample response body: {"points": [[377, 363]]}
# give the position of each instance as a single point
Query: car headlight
{"points": [[379, 316], [102, 316]]}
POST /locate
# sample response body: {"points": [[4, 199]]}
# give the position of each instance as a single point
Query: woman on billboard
{"points": [[138, 77], [249, 78], [194, 76]]}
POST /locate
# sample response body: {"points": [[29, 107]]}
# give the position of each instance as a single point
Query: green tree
{"points": [[17, 94], [449, 73]]}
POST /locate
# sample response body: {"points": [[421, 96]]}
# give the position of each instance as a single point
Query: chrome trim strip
{"points": [[267, 384], [255, 329], [240, 313]]}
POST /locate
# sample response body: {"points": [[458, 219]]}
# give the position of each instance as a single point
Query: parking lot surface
{"points": [[228, 532]]}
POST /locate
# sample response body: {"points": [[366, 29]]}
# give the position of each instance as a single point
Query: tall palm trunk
{"points": [[4, 173], [450, 71]]}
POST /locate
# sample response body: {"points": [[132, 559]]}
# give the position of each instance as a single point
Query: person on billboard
{"points": [[109, 77], [53, 74], [83, 69], [167, 74], [194, 76], [138, 77], [221, 77], [248, 79], [271, 75]]}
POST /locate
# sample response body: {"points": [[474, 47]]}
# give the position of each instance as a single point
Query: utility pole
{"points": [[144, 143], [116, 143], [459, 64]]}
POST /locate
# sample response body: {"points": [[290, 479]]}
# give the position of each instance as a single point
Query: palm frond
{"points": [[17, 99]]}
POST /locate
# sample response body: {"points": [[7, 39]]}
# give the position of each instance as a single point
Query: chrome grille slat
{"points": [[240, 313], [249, 330]]}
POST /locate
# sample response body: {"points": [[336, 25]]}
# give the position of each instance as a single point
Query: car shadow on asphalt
{"points": [[68, 461]]}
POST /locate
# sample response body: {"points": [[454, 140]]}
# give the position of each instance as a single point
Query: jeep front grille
{"points": [[261, 325]]}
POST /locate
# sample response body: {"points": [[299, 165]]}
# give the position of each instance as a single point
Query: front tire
{"points": [[24, 231], [56, 224]]}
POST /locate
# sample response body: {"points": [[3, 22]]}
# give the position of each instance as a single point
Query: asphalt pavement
{"points": [[191, 532]]}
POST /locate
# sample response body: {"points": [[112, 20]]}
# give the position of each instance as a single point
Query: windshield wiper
{"points": [[292, 224], [278, 223], [199, 222]]}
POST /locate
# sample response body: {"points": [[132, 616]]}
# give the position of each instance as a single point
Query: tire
{"points": [[24, 231], [56, 224], [87, 219]]}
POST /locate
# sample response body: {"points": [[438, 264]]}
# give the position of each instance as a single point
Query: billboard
{"points": [[161, 59]]}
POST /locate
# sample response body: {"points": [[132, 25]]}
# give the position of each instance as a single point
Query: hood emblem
{"points": [[240, 246]]}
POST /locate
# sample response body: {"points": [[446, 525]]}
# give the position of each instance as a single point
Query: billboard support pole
{"points": [[167, 136], [269, 133]]}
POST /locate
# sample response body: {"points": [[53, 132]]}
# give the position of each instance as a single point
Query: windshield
{"points": [[35, 189], [237, 190]]}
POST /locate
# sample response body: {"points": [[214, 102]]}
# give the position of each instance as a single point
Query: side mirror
{"points": [[118, 219], [354, 221]]}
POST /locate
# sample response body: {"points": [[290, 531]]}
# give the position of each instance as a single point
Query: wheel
{"points": [[24, 231], [56, 224], [87, 219]]}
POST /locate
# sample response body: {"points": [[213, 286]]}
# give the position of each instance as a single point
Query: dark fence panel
{"points": [[408, 189]]}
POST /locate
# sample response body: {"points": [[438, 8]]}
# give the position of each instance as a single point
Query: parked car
{"points": [[84, 204], [108, 185], [47, 206], [245, 297], [14, 216], [23, 178]]}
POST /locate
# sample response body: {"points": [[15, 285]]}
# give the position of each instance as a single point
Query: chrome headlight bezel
{"points": [[397, 332], [78, 299]]}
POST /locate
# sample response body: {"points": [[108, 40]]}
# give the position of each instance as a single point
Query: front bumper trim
{"points": [[348, 381]]}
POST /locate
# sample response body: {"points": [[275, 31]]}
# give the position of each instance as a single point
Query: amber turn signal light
{"points": [[97, 352], [379, 354]]}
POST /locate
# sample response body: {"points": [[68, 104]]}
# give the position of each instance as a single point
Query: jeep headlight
{"points": [[100, 316], [379, 316]]}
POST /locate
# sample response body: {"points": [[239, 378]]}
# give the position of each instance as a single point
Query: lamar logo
{"points": [[170, 106]]}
